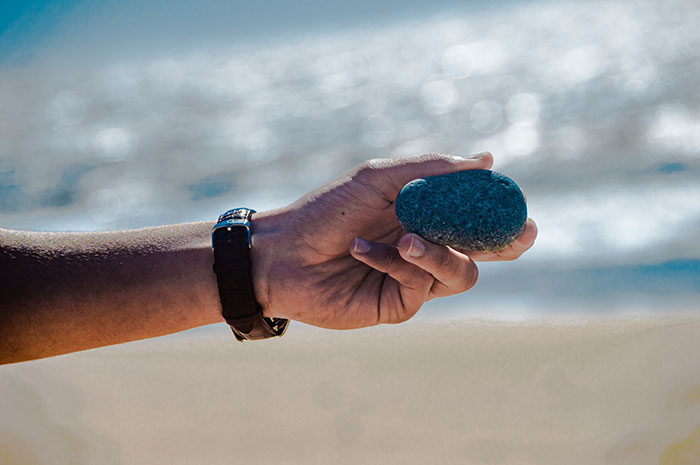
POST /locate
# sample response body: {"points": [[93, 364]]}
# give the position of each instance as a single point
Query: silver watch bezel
{"points": [[235, 222]]}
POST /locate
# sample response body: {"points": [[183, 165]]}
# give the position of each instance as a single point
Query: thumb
{"points": [[389, 175]]}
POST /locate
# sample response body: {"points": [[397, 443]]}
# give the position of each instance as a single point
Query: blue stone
{"points": [[473, 210]]}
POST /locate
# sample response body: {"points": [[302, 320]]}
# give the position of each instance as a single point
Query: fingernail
{"points": [[416, 248], [361, 246], [479, 156]]}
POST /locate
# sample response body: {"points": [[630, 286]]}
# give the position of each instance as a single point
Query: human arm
{"points": [[63, 292]]}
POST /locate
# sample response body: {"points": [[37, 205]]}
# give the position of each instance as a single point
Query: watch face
{"points": [[237, 214]]}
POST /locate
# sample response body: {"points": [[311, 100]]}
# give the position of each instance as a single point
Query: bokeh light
{"points": [[439, 96], [458, 61], [523, 110], [486, 116], [113, 144]]}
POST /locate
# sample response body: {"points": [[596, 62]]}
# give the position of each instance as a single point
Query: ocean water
{"points": [[592, 107]]}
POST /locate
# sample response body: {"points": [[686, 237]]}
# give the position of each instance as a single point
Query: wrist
{"points": [[267, 236]]}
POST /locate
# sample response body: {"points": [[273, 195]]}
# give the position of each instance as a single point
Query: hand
{"points": [[338, 258]]}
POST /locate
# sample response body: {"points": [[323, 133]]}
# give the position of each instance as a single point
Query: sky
{"points": [[133, 28], [123, 114], [24, 25]]}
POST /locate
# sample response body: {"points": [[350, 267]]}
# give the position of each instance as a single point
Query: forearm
{"points": [[62, 292]]}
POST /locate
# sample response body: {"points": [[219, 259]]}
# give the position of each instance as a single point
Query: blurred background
{"points": [[124, 114]]}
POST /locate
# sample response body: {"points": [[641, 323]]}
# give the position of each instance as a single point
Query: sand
{"points": [[615, 391]]}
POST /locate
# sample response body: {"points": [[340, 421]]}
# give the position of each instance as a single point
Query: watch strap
{"points": [[232, 265]]}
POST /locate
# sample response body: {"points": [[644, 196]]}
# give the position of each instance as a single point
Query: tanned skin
{"points": [[336, 258]]}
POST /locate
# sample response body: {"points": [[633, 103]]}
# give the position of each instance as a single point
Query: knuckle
{"points": [[379, 256], [388, 260], [418, 279], [372, 174], [527, 247], [403, 315], [363, 171], [426, 157], [369, 167], [471, 276], [505, 255], [444, 259], [398, 316]]}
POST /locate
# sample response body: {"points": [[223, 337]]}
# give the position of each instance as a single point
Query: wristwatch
{"points": [[230, 239]]}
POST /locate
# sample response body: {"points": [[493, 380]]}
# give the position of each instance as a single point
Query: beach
{"points": [[612, 390]]}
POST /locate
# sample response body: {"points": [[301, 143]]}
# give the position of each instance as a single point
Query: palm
{"points": [[350, 293]]}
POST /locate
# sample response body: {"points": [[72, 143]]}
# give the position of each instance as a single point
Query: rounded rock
{"points": [[478, 210]]}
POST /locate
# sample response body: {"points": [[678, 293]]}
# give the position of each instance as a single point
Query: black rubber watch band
{"points": [[231, 243]]}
